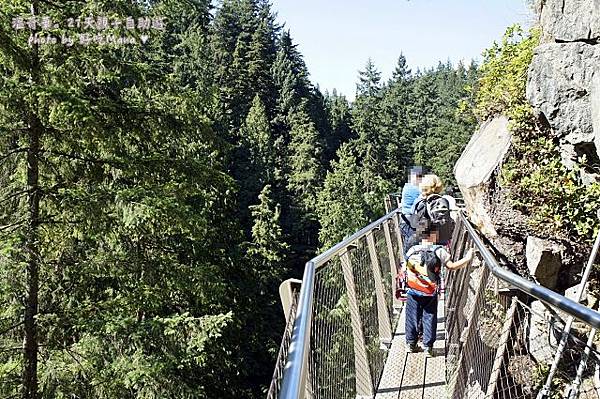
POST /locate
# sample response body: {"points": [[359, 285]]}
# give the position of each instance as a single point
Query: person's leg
{"points": [[411, 310], [429, 320]]}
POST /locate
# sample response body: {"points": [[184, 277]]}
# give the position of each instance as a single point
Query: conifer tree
{"points": [[305, 156]]}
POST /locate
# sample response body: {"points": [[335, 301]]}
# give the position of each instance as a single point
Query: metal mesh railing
{"points": [[502, 339], [283, 349], [385, 268], [506, 337], [347, 305], [367, 304], [331, 356]]}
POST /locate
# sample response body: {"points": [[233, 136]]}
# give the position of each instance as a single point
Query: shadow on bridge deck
{"points": [[413, 375]]}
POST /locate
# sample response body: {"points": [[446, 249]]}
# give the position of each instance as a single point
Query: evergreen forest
{"points": [[153, 197]]}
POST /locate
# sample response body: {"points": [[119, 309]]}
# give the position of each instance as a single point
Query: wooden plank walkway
{"points": [[413, 375]]}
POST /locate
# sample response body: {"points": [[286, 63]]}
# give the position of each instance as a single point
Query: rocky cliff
{"points": [[563, 92], [564, 78]]}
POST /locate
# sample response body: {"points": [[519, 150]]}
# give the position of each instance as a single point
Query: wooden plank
{"points": [[414, 376], [435, 367], [391, 379]]}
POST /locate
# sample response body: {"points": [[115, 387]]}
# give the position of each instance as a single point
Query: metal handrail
{"points": [[294, 371], [537, 291]]}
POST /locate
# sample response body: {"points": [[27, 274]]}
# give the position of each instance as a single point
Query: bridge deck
{"points": [[413, 375]]}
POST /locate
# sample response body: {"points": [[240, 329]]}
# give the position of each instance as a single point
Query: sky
{"points": [[337, 37]]}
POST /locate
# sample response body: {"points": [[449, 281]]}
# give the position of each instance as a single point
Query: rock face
{"points": [[595, 95], [570, 20], [562, 85], [543, 260], [559, 87], [479, 160]]}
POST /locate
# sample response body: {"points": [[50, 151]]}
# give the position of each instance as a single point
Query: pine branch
{"points": [[13, 51], [13, 195], [12, 152], [85, 159], [8, 226], [11, 327]]}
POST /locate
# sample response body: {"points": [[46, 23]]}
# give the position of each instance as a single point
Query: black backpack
{"points": [[434, 208], [432, 262]]}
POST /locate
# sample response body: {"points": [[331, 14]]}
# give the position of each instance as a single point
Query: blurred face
{"points": [[415, 179], [433, 236]]}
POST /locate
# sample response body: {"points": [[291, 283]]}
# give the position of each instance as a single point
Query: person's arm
{"points": [[404, 196], [459, 264]]}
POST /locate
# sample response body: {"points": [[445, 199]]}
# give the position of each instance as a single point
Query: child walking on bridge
{"points": [[423, 268]]}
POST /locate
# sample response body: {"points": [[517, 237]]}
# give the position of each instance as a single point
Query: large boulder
{"points": [[478, 162], [544, 259], [570, 20]]}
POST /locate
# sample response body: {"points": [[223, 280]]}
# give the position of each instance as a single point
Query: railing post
{"points": [[294, 377], [393, 263], [388, 203], [383, 315], [397, 224], [461, 373], [498, 359], [364, 380]]}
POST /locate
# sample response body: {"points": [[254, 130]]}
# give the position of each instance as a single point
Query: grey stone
{"points": [[559, 87], [573, 292], [539, 334], [595, 104], [481, 157], [543, 260], [570, 20]]}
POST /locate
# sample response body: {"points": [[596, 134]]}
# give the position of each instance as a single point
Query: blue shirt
{"points": [[410, 193]]}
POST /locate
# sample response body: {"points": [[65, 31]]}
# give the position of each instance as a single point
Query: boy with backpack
{"points": [[423, 268]]}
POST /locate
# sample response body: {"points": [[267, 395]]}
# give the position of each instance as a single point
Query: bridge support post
{"points": [[388, 204], [397, 223], [383, 315], [364, 380], [498, 359], [393, 263]]}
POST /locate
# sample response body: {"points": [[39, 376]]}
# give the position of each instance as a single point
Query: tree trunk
{"points": [[30, 344]]}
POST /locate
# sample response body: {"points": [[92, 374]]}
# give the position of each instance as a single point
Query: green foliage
{"points": [[266, 232], [504, 75], [305, 161], [343, 205]]}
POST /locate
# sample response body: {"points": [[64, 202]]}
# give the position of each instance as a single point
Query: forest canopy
{"points": [[154, 196]]}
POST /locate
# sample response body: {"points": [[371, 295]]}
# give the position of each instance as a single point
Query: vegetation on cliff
{"points": [[553, 197]]}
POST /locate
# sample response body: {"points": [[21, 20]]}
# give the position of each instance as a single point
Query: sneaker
{"points": [[428, 351], [411, 347]]}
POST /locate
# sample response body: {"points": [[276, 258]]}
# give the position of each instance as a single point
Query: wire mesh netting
{"points": [[331, 364], [383, 255], [501, 342], [283, 349], [352, 309], [367, 306]]}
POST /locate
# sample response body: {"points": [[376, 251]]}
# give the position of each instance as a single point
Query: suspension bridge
{"points": [[499, 334]]}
